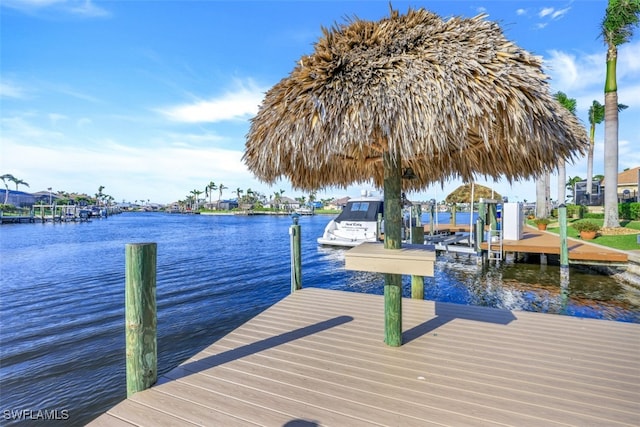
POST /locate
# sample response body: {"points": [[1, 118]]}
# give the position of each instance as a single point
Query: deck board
{"points": [[543, 242], [318, 357]]}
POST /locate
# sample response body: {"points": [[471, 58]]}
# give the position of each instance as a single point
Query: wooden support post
{"points": [[392, 240], [296, 254], [141, 317], [432, 209], [493, 216], [453, 214], [564, 247], [417, 282], [479, 235], [482, 212]]}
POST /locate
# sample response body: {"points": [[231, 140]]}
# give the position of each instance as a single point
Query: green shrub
{"points": [[593, 215], [541, 220], [629, 211], [8, 208], [585, 225], [576, 211]]}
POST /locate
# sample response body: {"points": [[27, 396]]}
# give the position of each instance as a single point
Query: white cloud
{"points": [[163, 174], [87, 8], [629, 59], [9, 89], [573, 72], [521, 12], [545, 12], [239, 104], [21, 127], [54, 118], [584, 74], [560, 13], [83, 8]]}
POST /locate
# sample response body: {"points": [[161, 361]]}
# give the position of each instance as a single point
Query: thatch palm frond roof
{"points": [[450, 99], [462, 194]]}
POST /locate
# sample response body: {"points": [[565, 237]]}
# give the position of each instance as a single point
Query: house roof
{"points": [[630, 176], [627, 177]]}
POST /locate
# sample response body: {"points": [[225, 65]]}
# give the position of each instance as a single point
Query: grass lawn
{"points": [[625, 242]]}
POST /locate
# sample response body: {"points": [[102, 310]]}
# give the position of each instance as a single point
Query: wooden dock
{"points": [[317, 358], [580, 251]]}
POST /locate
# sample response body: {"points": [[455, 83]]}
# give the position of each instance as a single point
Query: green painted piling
{"points": [[140, 316], [482, 212], [392, 240], [296, 255], [479, 235], [564, 247], [493, 216], [417, 282], [432, 210]]}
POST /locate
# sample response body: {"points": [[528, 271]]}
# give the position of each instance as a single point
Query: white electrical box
{"points": [[512, 221]]}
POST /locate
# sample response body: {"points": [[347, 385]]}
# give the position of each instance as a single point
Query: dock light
{"points": [[295, 216], [408, 174]]}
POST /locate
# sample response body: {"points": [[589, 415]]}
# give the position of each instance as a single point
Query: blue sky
{"points": [[151, 99]]}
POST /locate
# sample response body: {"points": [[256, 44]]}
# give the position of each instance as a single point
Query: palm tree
{"points": [[196, 196], [190, 200], [209, 189], [542, 195], [596, 116], [249, 195], [7, 177], [276, 200], [238, 193], [619, 21], [570, 105], [20, 182], [220, 188], [99, 194]]}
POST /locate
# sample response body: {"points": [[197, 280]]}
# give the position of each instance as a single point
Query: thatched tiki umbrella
{"points": [[465, 193], [448, 99]]}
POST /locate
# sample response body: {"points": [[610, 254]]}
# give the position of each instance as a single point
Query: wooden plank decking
{"points": [[542, 242], [317, 358]]}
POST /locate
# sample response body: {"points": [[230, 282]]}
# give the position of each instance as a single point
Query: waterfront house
{"points": [[20, 199]]}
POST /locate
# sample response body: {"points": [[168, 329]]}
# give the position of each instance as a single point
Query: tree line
{"points": [[620, 19], [243, 197]]}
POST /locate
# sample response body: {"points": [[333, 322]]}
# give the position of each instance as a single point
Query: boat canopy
{"points": [[361, 210]]}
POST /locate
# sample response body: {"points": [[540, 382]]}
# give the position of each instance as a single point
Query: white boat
{"points": [[304, 210], [356, 224]]}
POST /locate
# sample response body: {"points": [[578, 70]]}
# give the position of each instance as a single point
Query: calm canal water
{"points": [[62, 297]]}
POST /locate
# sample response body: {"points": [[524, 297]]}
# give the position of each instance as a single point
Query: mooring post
{"points": [[564, 247], [296, 255], [392, 240], [479, 235], [454, 209], [141, 316], [432, 209], [417, 282]]}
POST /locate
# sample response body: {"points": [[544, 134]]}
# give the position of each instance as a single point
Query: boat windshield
{"points": [[360, 211]]}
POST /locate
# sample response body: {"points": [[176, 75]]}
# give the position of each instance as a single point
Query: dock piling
{"points": [[141, 316], [296, 256], [417, 282], [564, 247]]}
